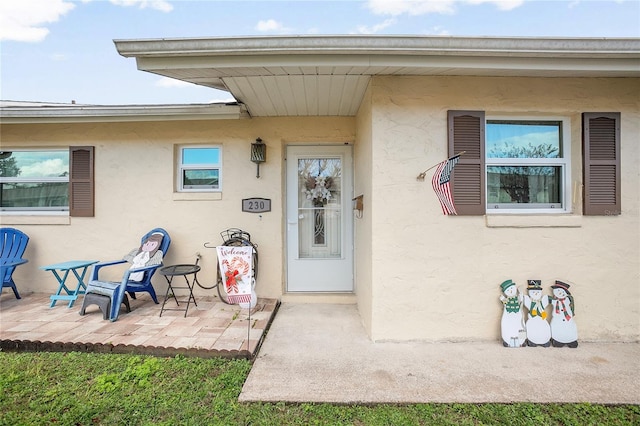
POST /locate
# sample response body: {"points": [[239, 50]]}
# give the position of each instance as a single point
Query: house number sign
{"points": [[256, 205]]}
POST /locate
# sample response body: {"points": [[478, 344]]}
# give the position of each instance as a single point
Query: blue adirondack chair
{"points": [[14, 243], [116, 290]]}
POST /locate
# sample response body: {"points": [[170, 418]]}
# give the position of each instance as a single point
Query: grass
{"points": [[106, 389]]}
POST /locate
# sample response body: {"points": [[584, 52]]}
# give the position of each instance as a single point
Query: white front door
{"points": [[319, 219]]}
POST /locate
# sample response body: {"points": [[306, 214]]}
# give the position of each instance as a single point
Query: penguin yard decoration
{"points": [[512, 327], [538, 329], [563, 327]]}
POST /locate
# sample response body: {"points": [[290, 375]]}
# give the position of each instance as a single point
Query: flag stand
{"points": [[249, 329], [422, 175], [249, 319]]}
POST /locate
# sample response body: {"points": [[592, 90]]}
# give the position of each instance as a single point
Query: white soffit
{"points": [[328, 75]]}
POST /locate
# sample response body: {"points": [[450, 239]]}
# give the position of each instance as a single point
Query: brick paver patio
{"points": [[210, 329]]}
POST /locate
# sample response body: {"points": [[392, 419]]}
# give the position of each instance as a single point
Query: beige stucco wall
{"points": [[363, 220], [134, 175], [437, 277], [419, 275]]}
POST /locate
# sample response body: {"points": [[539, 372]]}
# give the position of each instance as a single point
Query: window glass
{"points": [[34, 164], [201, 178], [524, 186], [526, 168], [523, 139], [200, 156], [34, 180], [199, 169], [319, 212]]}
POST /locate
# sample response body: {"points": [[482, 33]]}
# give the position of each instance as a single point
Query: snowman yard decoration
{"points": [[511, 326], [538, 329], [563, 327]]}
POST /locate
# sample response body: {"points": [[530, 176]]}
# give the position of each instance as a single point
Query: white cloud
{"points": [[411, 7], [363, 29], [270, 25], [223, 100], [161, 5], [26, 20], [220, 96], [167, 82], [501, 4], [423, 7], [438, 30]]}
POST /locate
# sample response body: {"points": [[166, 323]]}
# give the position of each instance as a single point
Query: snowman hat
{"points": [[506, 284], [534, 284], [560, 284]]}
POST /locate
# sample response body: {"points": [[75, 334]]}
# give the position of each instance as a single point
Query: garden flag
{"points": [[441, 185], [236, 268]]}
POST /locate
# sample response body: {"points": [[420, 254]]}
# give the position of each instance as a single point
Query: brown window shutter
{"points": [[466, 133], [601, 163], [81, 198]]}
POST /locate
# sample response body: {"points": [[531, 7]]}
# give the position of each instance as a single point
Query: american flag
{"points": [[441, 185]]}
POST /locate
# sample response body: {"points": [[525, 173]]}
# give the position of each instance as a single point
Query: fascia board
{"points": [[71, 114], [265, 65], [388, 45]]}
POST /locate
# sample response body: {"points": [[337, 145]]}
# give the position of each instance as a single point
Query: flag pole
{"points": [[422, 175]]}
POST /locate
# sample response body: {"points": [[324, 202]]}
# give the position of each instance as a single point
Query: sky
{"points": [[61, 51]]}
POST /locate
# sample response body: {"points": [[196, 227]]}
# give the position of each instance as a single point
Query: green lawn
{"points": [[105, 389]]}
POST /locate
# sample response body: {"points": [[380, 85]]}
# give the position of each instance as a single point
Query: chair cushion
{"points": [[106, 288]]}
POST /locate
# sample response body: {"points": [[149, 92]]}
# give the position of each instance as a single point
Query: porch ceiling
{"points": [[328, 75]]}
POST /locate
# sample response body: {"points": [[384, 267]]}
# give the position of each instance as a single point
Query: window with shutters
{"points": [[34, 180], [527, 166], [510, 164], [55, 181]]}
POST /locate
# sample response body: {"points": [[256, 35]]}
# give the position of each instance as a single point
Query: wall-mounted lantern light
{"points": [[258, 154]]}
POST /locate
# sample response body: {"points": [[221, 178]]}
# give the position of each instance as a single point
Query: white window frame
{"points": [[181, 167], [564, 163], [51, 179]]}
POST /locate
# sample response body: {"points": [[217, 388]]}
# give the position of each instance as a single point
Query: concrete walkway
{"points": [[321, 353]]}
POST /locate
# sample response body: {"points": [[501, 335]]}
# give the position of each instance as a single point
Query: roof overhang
{"points": [[328, 75], [28, 112]]}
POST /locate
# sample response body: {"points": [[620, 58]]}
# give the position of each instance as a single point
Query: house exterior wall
{"points": [[363, 232], [419, 275], [437, 277], [134, 192]]}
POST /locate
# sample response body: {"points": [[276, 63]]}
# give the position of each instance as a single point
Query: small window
{"points": [[200, 169], [526, 165], [32, 180]]}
